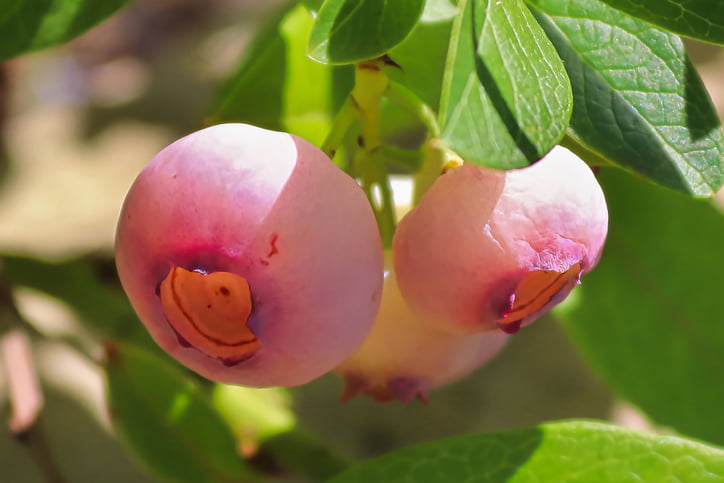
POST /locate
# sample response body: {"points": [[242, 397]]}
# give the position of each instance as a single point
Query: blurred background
{"points": [[81, 120]]}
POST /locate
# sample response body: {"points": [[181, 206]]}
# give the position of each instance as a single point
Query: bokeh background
{"points": [[81, 120]]}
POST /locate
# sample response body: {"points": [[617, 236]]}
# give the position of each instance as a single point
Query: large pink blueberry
{"points": [[250, 257], [494, 250], [404, 357]]}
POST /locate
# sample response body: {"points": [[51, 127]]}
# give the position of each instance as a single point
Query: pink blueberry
{"points": [[250, 257], [403, 357], [494, 250]]}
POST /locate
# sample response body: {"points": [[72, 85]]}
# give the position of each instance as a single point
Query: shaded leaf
{"points": [[573, 451], [102, 306], [422, 54], [276, 86], [29, 25], [648, 317], [506, 98], [167, 422], [348, 31], [638, 101]]}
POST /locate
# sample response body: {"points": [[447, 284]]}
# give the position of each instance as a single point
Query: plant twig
{"points": [[24, 391]]}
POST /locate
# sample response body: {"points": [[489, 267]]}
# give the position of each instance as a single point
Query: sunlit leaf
{"points": [[506, 99], [575, 451], [638, 101]]}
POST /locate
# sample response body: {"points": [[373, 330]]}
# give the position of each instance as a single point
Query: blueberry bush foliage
{"points": [[400, 91]]}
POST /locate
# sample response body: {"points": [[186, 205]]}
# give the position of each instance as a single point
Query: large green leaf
{"points": [[700, 19], [167, 422], [638, 101], [649, 317], [29, 25], [348, 31], [277, 87], [506, 99], [575, 451]]}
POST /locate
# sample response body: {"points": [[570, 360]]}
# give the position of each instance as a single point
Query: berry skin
{"points": [[403, 357], [250, 257], [494, 250]]}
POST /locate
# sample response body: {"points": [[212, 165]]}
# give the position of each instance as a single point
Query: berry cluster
{"points": [[254, 260]]}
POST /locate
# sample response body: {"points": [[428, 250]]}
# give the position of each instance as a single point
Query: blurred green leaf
{"points": [[101, 305], [648, 317], [348, 31], [305, 455], [638, 101], [264, 424], [506, 98], [574, 451], [312, 5], [421, 56], [29, 25], [277, 87], [254, 414], [167, 422], [700, 19]]}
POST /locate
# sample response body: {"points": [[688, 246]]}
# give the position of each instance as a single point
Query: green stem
{"points": [[371, 84], [433, 159], [342, 121]]}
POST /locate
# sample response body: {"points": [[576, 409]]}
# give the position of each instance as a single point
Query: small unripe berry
{"points": [[250, 257], [403, 357], [488, 249]]}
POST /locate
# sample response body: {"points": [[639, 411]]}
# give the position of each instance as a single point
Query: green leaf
{"points": [[81, 283], [637, 100], [29, 25], [254, 414], [305, 455], [649, 316], [265, 88], [421, 56], [506, 98], [348, 31], [574, 451], [700, 19], [167, 422]]}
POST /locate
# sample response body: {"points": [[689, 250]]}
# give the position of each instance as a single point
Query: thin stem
{"points": [[342, 122], [37, 446], [432, 164], [371, 84], [26, 397]]}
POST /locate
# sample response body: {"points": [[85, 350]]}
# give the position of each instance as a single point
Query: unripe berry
{"points": [[488, 249], [403, 357], [250, 257]]}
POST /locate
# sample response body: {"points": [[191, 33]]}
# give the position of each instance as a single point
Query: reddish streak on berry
{"points": [[273, 245], [210, 313]]}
